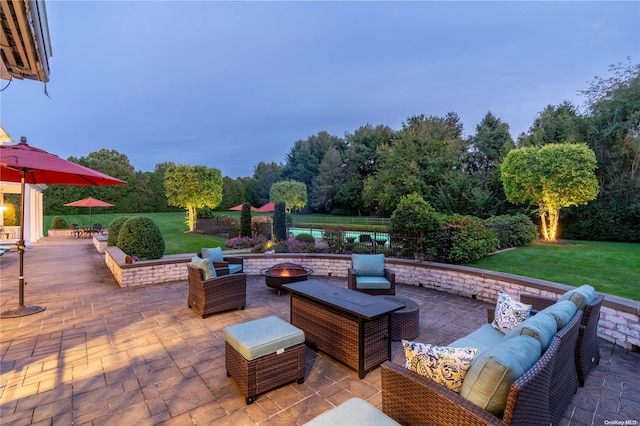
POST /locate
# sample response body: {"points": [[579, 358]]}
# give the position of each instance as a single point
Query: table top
{"points": [[354, 302]]}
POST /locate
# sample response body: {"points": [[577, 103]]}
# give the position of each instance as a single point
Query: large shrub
{"points": [[469, 239], [114, 230], [245, 220], [415, 226], [305, 238], [141, 237], [58, 222], [513, 230]]}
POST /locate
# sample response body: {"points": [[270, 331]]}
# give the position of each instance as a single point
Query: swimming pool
{"points": [[319, 233]]}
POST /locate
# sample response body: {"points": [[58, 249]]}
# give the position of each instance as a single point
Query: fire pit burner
{"points": [[284, 273]]}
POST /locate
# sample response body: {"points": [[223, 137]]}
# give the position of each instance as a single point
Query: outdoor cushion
{"points": [[264, 336], [562, 311], [213, 254], [353, 412], [542, 326], [372, 282], [492, 373], [205, 265], [371, 265], [581, 296], [509, 312], [482, 338], [234, 267], [444, 365]]}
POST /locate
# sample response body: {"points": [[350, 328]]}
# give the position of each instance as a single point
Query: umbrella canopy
{"points": [[269, 207], [26, 164], [239, 208], [90, 202]]}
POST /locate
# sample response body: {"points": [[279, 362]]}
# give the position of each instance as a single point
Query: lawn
{"points": [[612, 268]]}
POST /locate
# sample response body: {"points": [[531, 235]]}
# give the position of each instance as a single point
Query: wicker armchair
{"points": [[410, 398], [587, 353], [389, 275], [227, 261], [218, 294]]}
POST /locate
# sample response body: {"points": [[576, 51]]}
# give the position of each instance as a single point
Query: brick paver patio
{"points": [[105, 355]]}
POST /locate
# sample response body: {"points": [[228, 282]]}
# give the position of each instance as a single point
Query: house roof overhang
{"points": [[24, 40]]}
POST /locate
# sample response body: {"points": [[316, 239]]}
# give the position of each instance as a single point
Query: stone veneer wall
{"points": [[619, 318]]}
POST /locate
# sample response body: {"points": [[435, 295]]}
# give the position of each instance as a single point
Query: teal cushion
{"points": [[581, 296], [234, 267], [205, 265], [213, 254], [482, 338], [353, 412], [264, 336], [371, 265], [372, 282], [542, 326], [562, 311], [492, 373]]}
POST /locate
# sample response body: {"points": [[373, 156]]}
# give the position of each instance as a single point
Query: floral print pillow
{"points": [[509, 312], [446, 366]]}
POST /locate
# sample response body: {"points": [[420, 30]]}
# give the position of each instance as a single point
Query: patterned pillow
{"points": [[509, 312], [444, 365]]}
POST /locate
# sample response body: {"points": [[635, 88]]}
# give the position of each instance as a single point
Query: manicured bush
{"points": [[245, 220], [305, 238], [513, 230], [279, 222], [469, 239], [360, 248], [245, 242], [334, 239], [114, 230], [59, 223], [141, 237], [293, 245]]}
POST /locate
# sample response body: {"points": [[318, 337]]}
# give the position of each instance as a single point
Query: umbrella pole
{"points": [[21, 310]]}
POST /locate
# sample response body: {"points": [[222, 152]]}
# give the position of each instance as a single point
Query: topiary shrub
{"points": [[415, 226], [245, 220], [279, 222], [305, 238], [141, 237], [58, 222], [114, 230], [514, 230]]}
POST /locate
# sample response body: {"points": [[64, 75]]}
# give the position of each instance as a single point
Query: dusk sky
{"points": [[230, 84]]}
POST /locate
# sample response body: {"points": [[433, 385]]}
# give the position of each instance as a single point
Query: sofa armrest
{"points": [[410, 398]]}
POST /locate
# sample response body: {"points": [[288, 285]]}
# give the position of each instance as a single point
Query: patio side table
{"points": [[405, 322]]}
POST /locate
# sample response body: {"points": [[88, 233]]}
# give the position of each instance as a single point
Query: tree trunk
{"points": [[192, 218]]}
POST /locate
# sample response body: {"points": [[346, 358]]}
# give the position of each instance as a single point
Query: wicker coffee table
{"points": [[405, 322]]}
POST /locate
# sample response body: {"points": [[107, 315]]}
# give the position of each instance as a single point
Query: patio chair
{"points": [[233, 264], [218, 294], [368, 275]]}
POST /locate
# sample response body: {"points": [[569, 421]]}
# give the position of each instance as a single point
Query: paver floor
{"points": [[104, 355]]}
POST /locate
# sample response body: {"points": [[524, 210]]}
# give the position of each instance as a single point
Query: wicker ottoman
{"points": [[353, 412], [405, 323], [264, 354]]}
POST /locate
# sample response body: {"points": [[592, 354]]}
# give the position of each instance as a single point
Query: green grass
{"points": [[612, 268]]}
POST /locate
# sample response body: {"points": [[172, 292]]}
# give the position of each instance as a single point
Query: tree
{"points": [[551, 177], [245, 220], [264, 175], [425, 152], [327, 182], [193, 187], [555, 123], [279, 222], [293, 194]]}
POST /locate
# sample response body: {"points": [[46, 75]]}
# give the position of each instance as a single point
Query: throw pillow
{"points": [[205, 265], [213, 254], [446, 366], [509, 312]]}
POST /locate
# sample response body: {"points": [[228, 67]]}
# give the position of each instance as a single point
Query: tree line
{"points": [[368, 171]]}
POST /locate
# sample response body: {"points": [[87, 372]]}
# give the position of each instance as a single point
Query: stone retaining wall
{"points": [[619, 320]]}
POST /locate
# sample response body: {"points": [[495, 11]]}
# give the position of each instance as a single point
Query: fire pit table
{"points": [[284, 273]]}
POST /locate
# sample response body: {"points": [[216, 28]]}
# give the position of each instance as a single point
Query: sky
{"points": [[231, 84]]}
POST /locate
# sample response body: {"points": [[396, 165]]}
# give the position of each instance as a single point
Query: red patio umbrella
{"points": [[26, 164], [239, 208], [269, 207], [90, 202]]}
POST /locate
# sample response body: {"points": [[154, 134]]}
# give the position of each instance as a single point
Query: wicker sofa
{"points": [[538, 397]]}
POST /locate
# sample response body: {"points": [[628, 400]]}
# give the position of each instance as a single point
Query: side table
{"points": [[405, 322]]}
